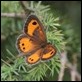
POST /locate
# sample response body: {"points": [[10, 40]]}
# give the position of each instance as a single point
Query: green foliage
{"points": [[15, 69], [10, 6]]}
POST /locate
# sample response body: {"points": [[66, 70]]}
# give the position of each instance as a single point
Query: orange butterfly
{"points": [[33, 42]]}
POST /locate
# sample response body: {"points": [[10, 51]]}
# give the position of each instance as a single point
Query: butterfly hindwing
{"points": [[41, 54], [35, 57], [49, 52]]}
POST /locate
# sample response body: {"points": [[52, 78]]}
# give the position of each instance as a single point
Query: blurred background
{"points": [[13, 15]]}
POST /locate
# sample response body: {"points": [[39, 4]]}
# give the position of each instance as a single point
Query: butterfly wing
{"points": [[42, 53], [26, 44], [35, 29], [49, 52], [35, 57]]}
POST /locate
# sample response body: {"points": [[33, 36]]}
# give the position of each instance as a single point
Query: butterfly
{"points": [[32, 43]]}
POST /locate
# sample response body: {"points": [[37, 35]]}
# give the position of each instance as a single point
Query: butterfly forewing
{"points": [[34, 28], [26, 44]]}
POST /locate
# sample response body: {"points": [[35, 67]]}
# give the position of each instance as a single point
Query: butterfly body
{"points": [[33, 42]]}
